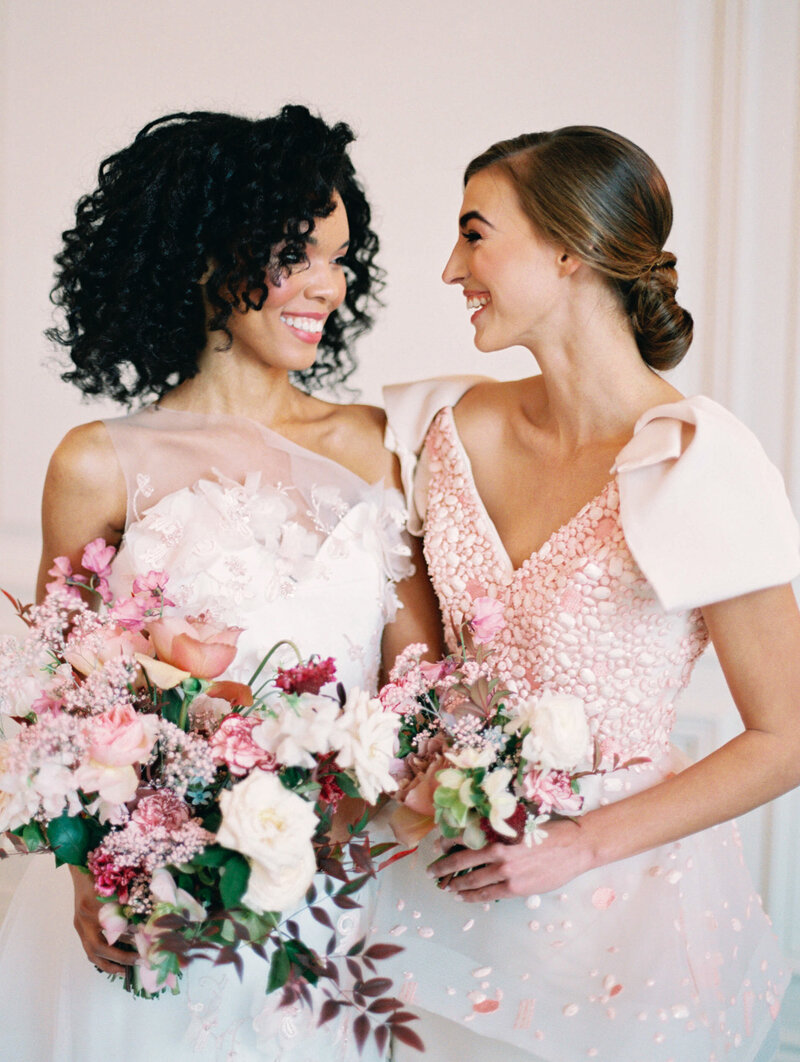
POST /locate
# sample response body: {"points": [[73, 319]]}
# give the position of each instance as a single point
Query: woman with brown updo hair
{"points": [[623, 528]]}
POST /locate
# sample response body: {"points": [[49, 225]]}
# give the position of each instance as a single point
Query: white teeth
{"points": [[474, 302], [305, 324]]}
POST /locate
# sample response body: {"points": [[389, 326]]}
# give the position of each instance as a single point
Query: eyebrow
{"points": [[473, 215], [342, 246]]}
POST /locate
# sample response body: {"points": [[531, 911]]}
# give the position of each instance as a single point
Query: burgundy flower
{"points": [[330, 792], [110, 878], [306, 678], [516, 820]]}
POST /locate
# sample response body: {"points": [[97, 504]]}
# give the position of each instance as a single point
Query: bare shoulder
{"points": [[352, 435], [85, 457], [84, 495], [487, 408]]}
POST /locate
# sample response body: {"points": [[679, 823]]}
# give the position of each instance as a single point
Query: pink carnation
{"points": [[487, 619], [551, 791], [233, 745], [161, 808]]}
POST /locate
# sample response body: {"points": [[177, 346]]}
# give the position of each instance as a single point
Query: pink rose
{"points": [[202, 648], [121, 736], [118, 642], [161, 808], [551, 791], [487, 619], [233, 745]]}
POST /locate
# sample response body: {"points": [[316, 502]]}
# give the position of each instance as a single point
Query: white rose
{"points": [[298, 731], [365, 740], [559, 737], [469, 757], [273, 828]]}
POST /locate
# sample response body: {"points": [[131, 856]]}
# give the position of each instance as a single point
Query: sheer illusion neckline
{"points": [[273, 437], [501, 553]]}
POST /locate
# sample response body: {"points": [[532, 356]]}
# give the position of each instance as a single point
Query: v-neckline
{"points": [[501, 553]]}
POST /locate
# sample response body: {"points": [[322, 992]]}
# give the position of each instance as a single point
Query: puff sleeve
{"points": [[410, 408], [709, 521]]}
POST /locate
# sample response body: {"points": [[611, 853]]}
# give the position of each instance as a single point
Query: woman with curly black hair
{"points": [[221, 267]]}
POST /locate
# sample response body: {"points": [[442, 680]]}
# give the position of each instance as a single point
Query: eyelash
{"points": [[471, 236]]}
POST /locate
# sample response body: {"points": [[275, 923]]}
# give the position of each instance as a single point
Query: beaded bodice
{"points": [[581, 618]]}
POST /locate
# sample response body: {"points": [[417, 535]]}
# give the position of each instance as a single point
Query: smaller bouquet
{"points": [[479, 763], [202, 808]]}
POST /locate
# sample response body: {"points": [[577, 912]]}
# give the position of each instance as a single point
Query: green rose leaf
{"points": [[71, 839], [235, 876]]}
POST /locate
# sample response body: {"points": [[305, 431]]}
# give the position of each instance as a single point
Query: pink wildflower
{"points": [[487, 619], [97, 557], [129, 613], [306, 678]]}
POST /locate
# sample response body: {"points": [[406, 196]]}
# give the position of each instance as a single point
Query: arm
{"points": [[757, 638], [418, 620], [84, 498]]}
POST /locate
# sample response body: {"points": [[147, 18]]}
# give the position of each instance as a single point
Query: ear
{"points": [[568, 263]]}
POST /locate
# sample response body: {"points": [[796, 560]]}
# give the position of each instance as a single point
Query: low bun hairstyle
{"points": [[606, 201], [208, 197]]}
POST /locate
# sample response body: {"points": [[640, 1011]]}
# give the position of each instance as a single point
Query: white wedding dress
{"points": [[262, 534]]}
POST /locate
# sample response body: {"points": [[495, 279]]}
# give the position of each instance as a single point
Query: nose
{"points": [[326, 283], [454, 271]]}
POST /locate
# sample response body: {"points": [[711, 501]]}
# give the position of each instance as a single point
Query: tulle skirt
{"points": [[56, 1007], [662, 957]]}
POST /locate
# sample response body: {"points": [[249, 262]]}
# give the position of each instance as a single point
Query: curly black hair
{"points": [[196, 191]]}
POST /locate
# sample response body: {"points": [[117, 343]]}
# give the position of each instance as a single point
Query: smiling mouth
{"points": [[477, 302], [309, 329]]}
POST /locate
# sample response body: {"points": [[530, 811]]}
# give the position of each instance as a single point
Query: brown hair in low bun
{"points": [[603, 198]]}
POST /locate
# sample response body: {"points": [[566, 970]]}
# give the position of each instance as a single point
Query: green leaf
{"points": [[212, 856], [235, 876], [347, 785], [279, 970], [71, 839], [171, 704], [33, 836]]}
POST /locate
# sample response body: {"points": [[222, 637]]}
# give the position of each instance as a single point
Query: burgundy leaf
{"points": [[376, 986], [293, 928], [403, 1015], [361, 1031], [407, 1037], [329, 1010], [383, 1006], [354, 968], [346, 903], [382, 951], [381, 1036], [321, 916]]}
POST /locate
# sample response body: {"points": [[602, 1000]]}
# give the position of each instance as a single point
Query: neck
{"points": [[229, 385], [594, 384]]}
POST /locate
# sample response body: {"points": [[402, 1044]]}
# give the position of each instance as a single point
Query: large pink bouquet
{"points": [[202, 809]]}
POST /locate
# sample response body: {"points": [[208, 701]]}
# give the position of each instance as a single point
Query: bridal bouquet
{"points": [[475, 760], [202, 808]]}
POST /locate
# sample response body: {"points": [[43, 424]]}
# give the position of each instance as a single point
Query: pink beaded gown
{"points": [[665, 956]]}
